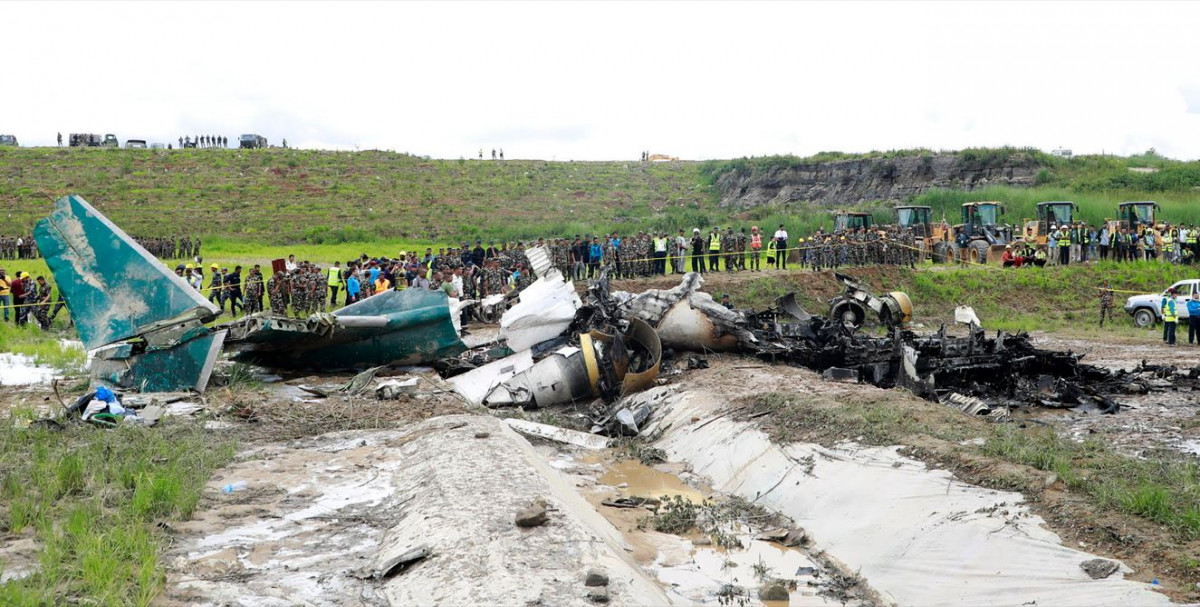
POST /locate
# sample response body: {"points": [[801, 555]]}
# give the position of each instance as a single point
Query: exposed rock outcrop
{"points": [[849, 182]]}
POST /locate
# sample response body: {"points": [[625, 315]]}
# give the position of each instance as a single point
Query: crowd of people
{"points": [[203, 141], [18, 247], [170, 247], [476, 272], [26, 296], [1080, 242]]}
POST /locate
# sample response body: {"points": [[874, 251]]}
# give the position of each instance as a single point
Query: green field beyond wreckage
{"points": [[103, 514]]}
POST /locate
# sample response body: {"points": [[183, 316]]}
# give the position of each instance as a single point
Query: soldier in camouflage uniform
{"points": [[827, 259], [469, 278], [494, 282], [739, 242], [297, 291], [728, 246], [278, 291], [39, 294], [609, 261], [1106, 303], [254, 291]]}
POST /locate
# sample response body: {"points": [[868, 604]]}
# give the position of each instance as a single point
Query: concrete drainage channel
{"points": [[917, 536], [463, 510]]}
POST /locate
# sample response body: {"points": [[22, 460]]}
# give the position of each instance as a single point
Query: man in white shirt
{"points": [[781, 245], [290, 264], [457, 279]]}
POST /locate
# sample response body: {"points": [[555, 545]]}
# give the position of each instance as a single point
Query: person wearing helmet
{"points": [[1169, 315], [755, 249]]}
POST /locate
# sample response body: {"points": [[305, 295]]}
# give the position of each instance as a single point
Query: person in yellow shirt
{"points": [[382, 284], [5, 293]]}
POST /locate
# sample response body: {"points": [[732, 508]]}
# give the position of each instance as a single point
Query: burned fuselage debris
{"points": [[148, 327], [1004, 370]]}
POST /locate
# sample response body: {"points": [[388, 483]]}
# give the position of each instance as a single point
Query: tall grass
{"points": [[1163, 489], [91, 498]]}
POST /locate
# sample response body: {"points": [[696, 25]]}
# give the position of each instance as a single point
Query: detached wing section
{"points": [[114, 288]]}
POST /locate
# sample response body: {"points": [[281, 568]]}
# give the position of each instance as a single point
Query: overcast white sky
{"points": [[592, 81]]}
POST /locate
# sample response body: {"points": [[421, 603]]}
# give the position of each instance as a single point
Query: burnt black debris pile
{"points": [[977, 372]]}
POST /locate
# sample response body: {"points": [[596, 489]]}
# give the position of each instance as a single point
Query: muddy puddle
{"points": [[20, 370], [727, 566]]}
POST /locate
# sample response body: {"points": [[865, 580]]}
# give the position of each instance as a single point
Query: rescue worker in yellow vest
{"points": [[714, 249], [1063, 237], [660, 253], [1192, 241], [334, 282], [1168, 246], [1170, 316]]}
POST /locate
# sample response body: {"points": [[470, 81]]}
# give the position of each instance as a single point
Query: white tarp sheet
{"points": [[918, 536]]}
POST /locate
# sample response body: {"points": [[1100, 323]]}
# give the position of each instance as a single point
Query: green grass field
{"points": [[252, 202]]}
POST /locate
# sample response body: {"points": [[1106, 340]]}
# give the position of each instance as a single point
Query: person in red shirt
{"points": [[1009, 260], [18, 294]]}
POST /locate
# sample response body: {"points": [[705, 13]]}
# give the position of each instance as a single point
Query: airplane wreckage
{"points": [[150, 333]]}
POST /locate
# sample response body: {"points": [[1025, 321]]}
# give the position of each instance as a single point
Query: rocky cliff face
{"points": [[850, 182]]}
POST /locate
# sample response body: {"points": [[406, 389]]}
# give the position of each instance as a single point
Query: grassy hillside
{"points": [[250, 203], [288, 196]]}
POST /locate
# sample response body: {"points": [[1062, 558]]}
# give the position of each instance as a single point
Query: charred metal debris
{"points": [[150, 332], [626, 333]]}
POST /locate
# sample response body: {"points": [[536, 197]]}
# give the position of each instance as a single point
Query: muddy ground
{"points": [[327, 483]]}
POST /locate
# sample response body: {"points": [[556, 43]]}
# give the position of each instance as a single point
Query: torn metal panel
{"points": [[570, 374], [594, 442], [645, 349], [683, 316], [475, 384], [547, 308], [187, 366], [119, 294], [394, 327], [539, 260]]}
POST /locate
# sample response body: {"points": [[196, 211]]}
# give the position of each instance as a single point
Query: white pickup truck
{"points": [[1146, 309]]}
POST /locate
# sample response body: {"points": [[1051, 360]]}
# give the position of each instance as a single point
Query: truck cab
{"points": [[8, 140], [849, 222], [110, 141], [1136, 215], [252, 141], [917, 219], [1147, 309], [1053, 213]]}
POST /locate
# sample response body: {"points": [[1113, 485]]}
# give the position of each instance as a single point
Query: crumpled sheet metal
{"points": [[687, 318], [546, 310], [539, 260], [394, 327], [644, 337]]}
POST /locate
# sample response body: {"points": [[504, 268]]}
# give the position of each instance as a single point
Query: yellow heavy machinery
{"points": [[933, 240], [661, 158], [1049, 214], [846, 221], [1135, 216], [981, 223]]}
